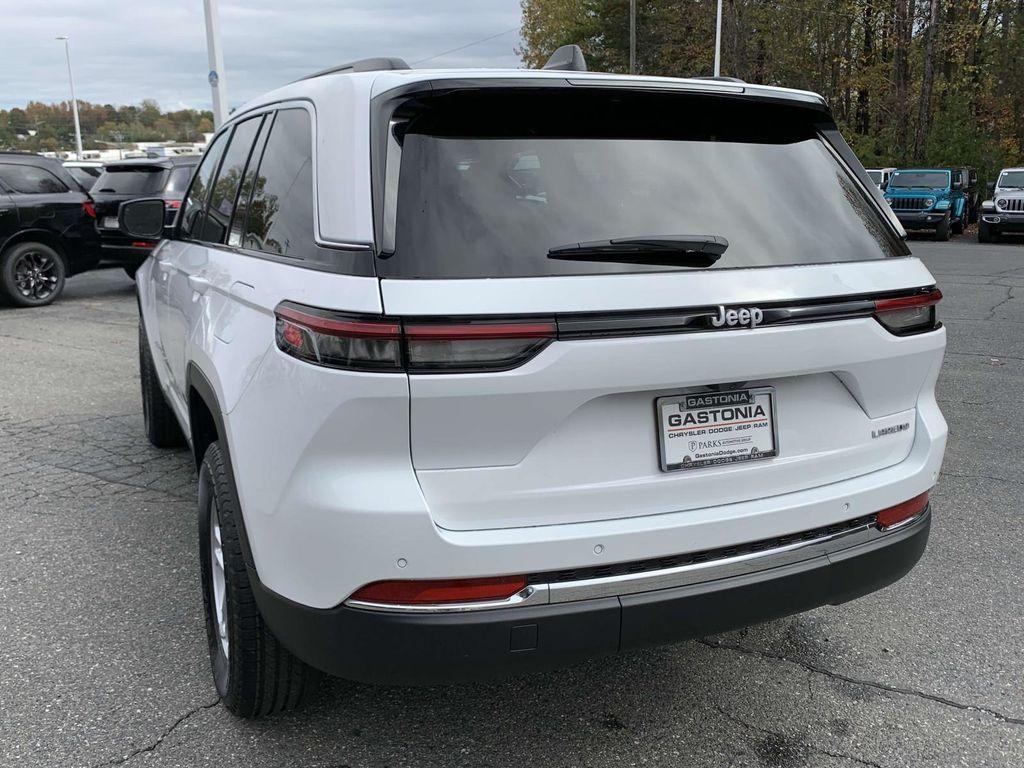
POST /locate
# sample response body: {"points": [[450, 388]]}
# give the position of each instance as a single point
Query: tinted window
{"points": [[488, 191], [281, 213], [928, 179], [875, 176], [84, 176], [179, 178], [30, 180], [192, 208], [132, 180], [225, 188], [245, 192]]}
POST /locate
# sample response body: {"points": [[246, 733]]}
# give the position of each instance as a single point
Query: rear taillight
{"points": [[905, 315], [337, 340], [89, 208], [891, 516], [172, 205], [475, 346], [440, 591], [361, 343]]}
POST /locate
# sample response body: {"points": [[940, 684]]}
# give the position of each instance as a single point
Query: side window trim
{"points": [[259, 145], [177, 235]]}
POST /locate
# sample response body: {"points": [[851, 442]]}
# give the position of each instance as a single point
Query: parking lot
{"points": [[102, 645]]}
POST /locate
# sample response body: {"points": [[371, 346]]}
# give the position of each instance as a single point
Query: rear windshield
{"points": [[489, 193], [139, 180], [1012, 180], [926, 179]]}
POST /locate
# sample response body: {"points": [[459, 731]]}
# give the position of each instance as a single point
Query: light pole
{"points": [[633, 37], [74, 101], [718, 41], [218, 88]]}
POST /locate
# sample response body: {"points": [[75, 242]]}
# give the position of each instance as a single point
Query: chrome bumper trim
{"points": [[681, 576]]}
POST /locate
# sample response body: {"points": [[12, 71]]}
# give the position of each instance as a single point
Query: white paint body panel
{"points": [[340, 474]]}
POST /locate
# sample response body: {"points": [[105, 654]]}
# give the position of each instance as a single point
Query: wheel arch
{"points": [[40, 236], [206, 425]]}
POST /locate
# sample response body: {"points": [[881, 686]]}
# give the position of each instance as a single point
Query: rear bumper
{"points": [[428, 648]]}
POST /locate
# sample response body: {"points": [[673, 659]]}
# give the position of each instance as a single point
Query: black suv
{"points": [[47, 229], [163, 177]]}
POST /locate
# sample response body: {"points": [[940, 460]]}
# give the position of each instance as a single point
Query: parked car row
{"points": [[941, 200], [55, 222]]}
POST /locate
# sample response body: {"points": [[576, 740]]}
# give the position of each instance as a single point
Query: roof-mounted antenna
{"points": [[568, 58]]}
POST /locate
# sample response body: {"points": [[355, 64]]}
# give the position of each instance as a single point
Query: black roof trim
{"points": [[375, 64]]}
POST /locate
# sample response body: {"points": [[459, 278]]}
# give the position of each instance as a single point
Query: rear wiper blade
{"points": [[668, 250]]}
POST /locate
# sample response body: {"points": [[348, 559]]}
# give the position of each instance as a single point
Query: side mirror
{"points": [[143, 219]]}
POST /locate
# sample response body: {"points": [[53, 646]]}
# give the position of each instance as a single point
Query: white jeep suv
{"points": [[487, 372]]}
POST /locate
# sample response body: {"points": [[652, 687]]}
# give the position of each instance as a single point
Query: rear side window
{"points": [[132, 180], [30, 180], [280, 219], [193, 209], [490, 184], [179, 178], [225, 188]]}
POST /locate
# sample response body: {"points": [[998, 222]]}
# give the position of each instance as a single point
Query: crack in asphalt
{"points": [[994, 713], [783, 737], [151, 747], [983, 477], [998, 304]]}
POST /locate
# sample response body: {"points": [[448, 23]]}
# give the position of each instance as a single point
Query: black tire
{"points": [[942, 231], [257, 675], [162, 427], [130, 271], [987, 233], [958, 226], [31, 274]]}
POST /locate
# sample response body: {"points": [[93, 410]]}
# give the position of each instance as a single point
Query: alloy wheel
{"points": [[36, 275]]}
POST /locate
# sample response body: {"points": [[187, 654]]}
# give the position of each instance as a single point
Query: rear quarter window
{"points": [[30, 180]]}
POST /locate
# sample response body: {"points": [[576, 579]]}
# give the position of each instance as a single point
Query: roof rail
{"points": [[362, 65], [720, 78], [568, 58]]}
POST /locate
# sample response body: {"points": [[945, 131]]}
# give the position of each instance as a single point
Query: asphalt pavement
{"points": [[103, 653]]}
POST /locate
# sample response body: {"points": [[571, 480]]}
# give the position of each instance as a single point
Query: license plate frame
{"points": [[731, 433]]}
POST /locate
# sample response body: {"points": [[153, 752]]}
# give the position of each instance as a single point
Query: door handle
{"points": [[198, 284]]}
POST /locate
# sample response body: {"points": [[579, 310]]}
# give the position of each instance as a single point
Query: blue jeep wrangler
{"points": [[930, 198]]}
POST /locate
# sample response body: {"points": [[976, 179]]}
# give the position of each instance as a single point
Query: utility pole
{"points": [[74, 101], [218, 88], [632, 37], [718, 41]]}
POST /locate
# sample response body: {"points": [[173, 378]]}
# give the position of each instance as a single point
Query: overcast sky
{"points": [[124, 51]]}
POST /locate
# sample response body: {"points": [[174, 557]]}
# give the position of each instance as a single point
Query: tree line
{"points": [[48, 127], [928, 82]]}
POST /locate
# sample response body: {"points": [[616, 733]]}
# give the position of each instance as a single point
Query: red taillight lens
{"points": [[897, 514], [338, 341], [142, 244], [89, 208], [379, 344], [905, 315], [437, 591], [172, 204], [474, 346]]}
